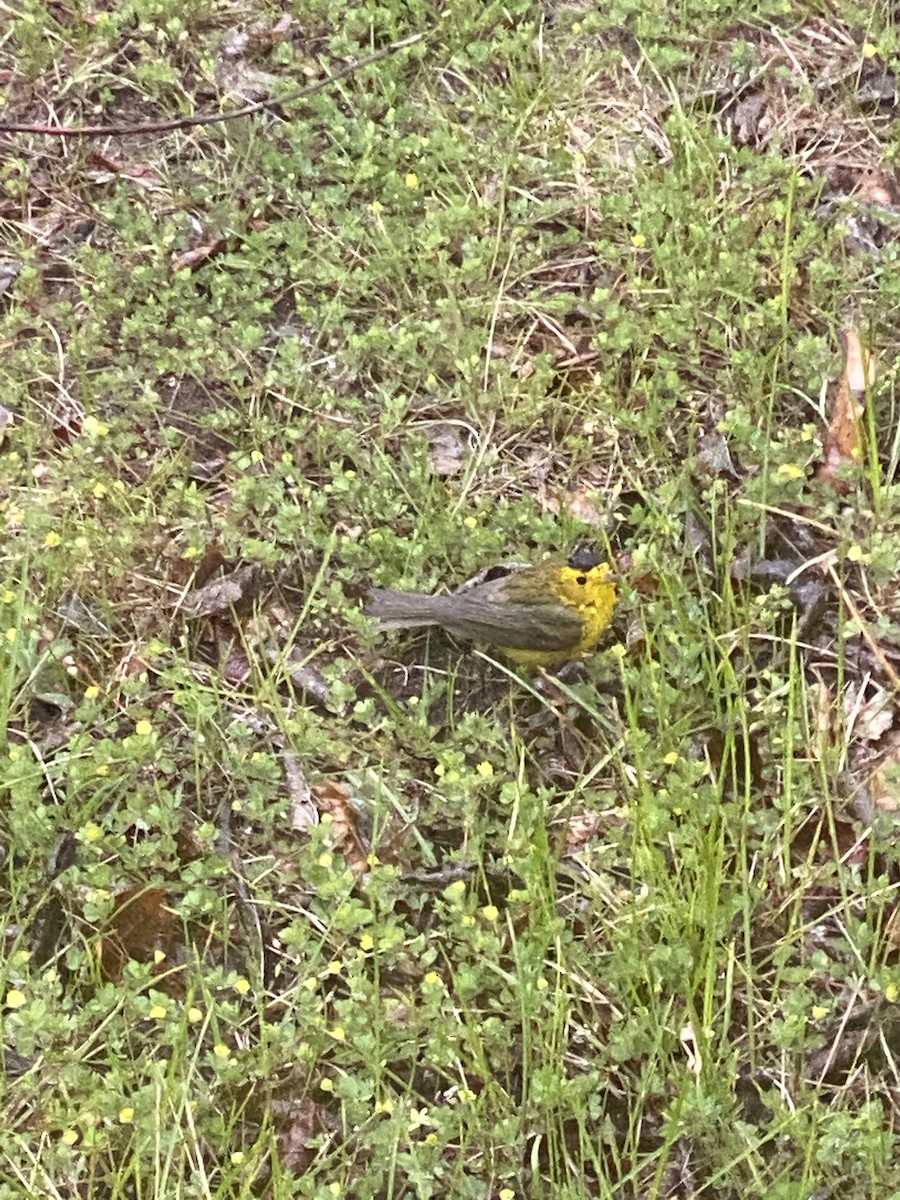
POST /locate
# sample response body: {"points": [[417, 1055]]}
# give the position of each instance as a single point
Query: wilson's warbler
{"points": [[543, 615]]}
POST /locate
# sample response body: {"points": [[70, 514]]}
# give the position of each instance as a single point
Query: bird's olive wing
{"points": [[516, 626]]}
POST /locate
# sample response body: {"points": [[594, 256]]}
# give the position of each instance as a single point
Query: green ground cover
{"points": [[292, 908]]}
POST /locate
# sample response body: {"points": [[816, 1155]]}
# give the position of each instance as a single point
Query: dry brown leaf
{"points": [[141, 924], [579, 501], [334, 799], [842, 440], [191, 259], [222, 594], [877, 187], [884, 782], [868, 720], [580, 829], [822, 713], [303, 811], [296, 1122], [198, 571], [448, 447]]}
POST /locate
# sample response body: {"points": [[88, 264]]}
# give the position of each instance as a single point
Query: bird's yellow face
{"points": [[593, 593], [585, 588]]}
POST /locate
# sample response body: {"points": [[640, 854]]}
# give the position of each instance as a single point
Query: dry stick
{"points": [[210, 118]]}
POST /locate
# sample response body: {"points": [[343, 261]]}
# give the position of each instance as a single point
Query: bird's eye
{"points": [[582, 579]]}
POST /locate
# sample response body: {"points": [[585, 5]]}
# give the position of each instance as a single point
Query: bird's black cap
{"points": [[585, 558]]}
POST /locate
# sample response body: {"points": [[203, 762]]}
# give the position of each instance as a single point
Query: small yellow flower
{"points": [[506, 1194], [15, 998], [411, 180], [242, 987], [542, 984], [790, 471], [326, 860], [69, 1137], [237, 806], [455, 890], [638, 241], [367, 942], [194, 1015], [869, 50], [327, 1085], [376, 207], [891, 992], [237, 1158], [157, 1012], [220, 1050], [191, 552], [671, 758], [335, 1188], [126, 1115], [490, 912], [99, 490], [819, 1012], [92, 692], [470, 522], [143, 729], [351, 475], [855, 554], [431, 979], [8, 596], [159, 956], [11, 635], [92, 832], [334, 967], [339, 1033], [485, 769], [52, 539], [93, 428], [385, 1106]]}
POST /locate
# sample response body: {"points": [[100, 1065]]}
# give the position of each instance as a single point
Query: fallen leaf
{"points": [[580, 829], [884, 782], [223, 594], [9, 273], [191, 259], [581, 501], [199, 570], [76, 614], [842, 440], [141, 924], [714, 456], [691, 1048], [748, 114], [868, 720], [448, 449], [303, 812], [334, 799], [296, 1123]]}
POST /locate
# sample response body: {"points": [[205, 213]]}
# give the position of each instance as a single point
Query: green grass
{"points": [[626, 933]]}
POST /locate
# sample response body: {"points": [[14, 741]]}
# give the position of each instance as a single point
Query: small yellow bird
{"points": [[543, 615]]}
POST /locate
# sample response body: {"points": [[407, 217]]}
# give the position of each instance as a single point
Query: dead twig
{"points": [[72, 131]]}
